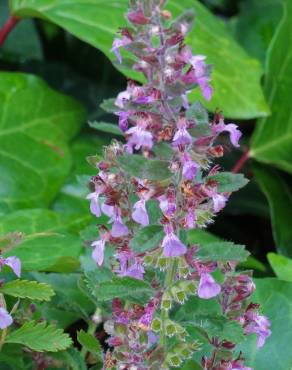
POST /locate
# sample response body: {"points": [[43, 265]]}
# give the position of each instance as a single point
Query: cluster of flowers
{"points": [[159, 122]]}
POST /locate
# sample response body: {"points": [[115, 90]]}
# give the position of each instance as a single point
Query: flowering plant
{"points": [[156, 187]]}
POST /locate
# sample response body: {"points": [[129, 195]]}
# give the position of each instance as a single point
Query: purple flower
{"points": [[130, 265], [235, 134], [94, 204], [122, 98], [108, 210], [167, 205], [123, 120], [182, 137], [219, 202], [117, 44], [208, 288], [119, 228], [139, 137], [98, 252], [259, 325], [172, 246], [5, 318], [13, 262], [140, 214], [190, 169], [191, 219]]}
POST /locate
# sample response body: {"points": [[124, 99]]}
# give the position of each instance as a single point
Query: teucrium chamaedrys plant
{"points": [[155, 188]]}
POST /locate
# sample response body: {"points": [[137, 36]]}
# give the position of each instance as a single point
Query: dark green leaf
{"points": [[279, 195], [222, 251], [209, 37], [228, 181], [272, 139], [144, 168], [109, 128], [147, 238], [40, 337], [28, 289], [37, 124]]}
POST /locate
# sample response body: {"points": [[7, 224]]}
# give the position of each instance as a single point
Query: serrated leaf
{"points": [[28, 289], [198, 113], [222, 251], [34, 157], [40, 337], [272, 138], [90, 343], [144, 168], [147, 238], [217, 326], [109, 128], [209, 37], [134, 290], [228, 181]]}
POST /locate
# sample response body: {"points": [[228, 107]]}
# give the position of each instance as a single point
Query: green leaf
{"points": [[144, 168], [28, 289], [281, 265], [279, 195], [217, 326], [275, 298], [34, 155], [198, 113], [147, 238], [109, 128], [272, 139], [209, 37], [256, 24], [71, 359], [222, 251], [129, 288], [89, 342], [40, 337], [47, 245], [228, 181]]}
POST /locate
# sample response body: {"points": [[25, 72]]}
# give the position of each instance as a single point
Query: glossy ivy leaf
{"points": [[27, 289], [144, 168], [272, 139], [90, 343], [36, 125], [147, 238], [108, 128], [228, 181], [256, 24], [222, 251], [275, 298], [40, 337], [133, 290], [279, 194], [87, 19], [47, 243], [281, 265]]}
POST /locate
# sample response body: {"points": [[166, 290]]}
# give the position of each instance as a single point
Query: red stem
{"points": [[240, 163], [7, 28]]}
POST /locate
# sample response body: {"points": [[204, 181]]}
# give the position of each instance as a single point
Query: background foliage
{"points": [[56, 69]]}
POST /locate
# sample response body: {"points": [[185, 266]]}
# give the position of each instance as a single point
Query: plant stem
{"points": [[240, 163], [7, 28]]}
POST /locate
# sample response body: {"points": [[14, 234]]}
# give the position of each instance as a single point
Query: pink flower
{"points": [[117, 44], [182, 137], [94, 204], [130, 265], [140, 214], [5, 318], [258, 324], [208, 288], [13, 262], [140, 137], [167, 205], [172, 246], [122, 98], [235, 134], [190, 169], [98, 252], [119, 228]]}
